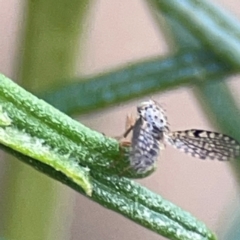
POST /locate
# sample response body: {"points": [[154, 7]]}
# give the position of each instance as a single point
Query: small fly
{"points": [[151, 132]]}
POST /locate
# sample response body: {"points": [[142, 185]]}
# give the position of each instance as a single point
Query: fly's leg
{"points": [[123, 143], [130, 122]]}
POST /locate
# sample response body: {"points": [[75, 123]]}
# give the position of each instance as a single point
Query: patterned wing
{"points": [[205, 144], [144, 149]]}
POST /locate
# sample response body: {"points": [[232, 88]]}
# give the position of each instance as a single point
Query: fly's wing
{"points": [[144, 148], [205, 144], [144, 141]]}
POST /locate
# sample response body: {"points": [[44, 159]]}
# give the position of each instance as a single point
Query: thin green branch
{"points": [[64, 149], [185, 67], [48, 45], [211, 25], [221, 109]]}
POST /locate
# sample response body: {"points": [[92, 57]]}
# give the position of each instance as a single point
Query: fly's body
{"points": [[148, 135], [151, 131]]}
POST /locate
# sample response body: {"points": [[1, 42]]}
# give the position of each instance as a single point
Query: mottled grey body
{"points": [[151, 130], [145, 147], [148, 136]]}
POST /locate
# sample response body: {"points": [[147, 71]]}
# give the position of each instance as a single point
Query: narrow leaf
{"points": [[185, 67], [64, 149], [211, 25]]}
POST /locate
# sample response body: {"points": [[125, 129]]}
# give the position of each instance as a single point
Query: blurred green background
{"points": [[46, 44]]}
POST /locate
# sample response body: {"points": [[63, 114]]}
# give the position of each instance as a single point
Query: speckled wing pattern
{"points": [[205, 144], [145, 147], [151, 131]]}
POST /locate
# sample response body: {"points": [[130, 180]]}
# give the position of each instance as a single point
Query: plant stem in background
{"points": [[55, 144], [47, 55]]}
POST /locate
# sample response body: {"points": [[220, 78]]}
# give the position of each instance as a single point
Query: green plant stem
{"points": [[220, 107], [47, 55], [185, 67], [208, 23], [51, 42], [65, 146]]}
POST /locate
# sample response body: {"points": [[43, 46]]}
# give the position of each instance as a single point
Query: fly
{"points": [[151, 132]]}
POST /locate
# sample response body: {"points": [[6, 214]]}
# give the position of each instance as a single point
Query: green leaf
{"points": [[215, 29], [185, 67], [4, 118], [47, 49], [51, 41], [57, 145]]}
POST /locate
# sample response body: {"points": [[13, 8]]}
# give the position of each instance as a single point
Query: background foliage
{"points": [[204, 52]]}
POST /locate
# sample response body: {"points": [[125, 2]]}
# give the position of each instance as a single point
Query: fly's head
{"points": [[153, 115]]}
